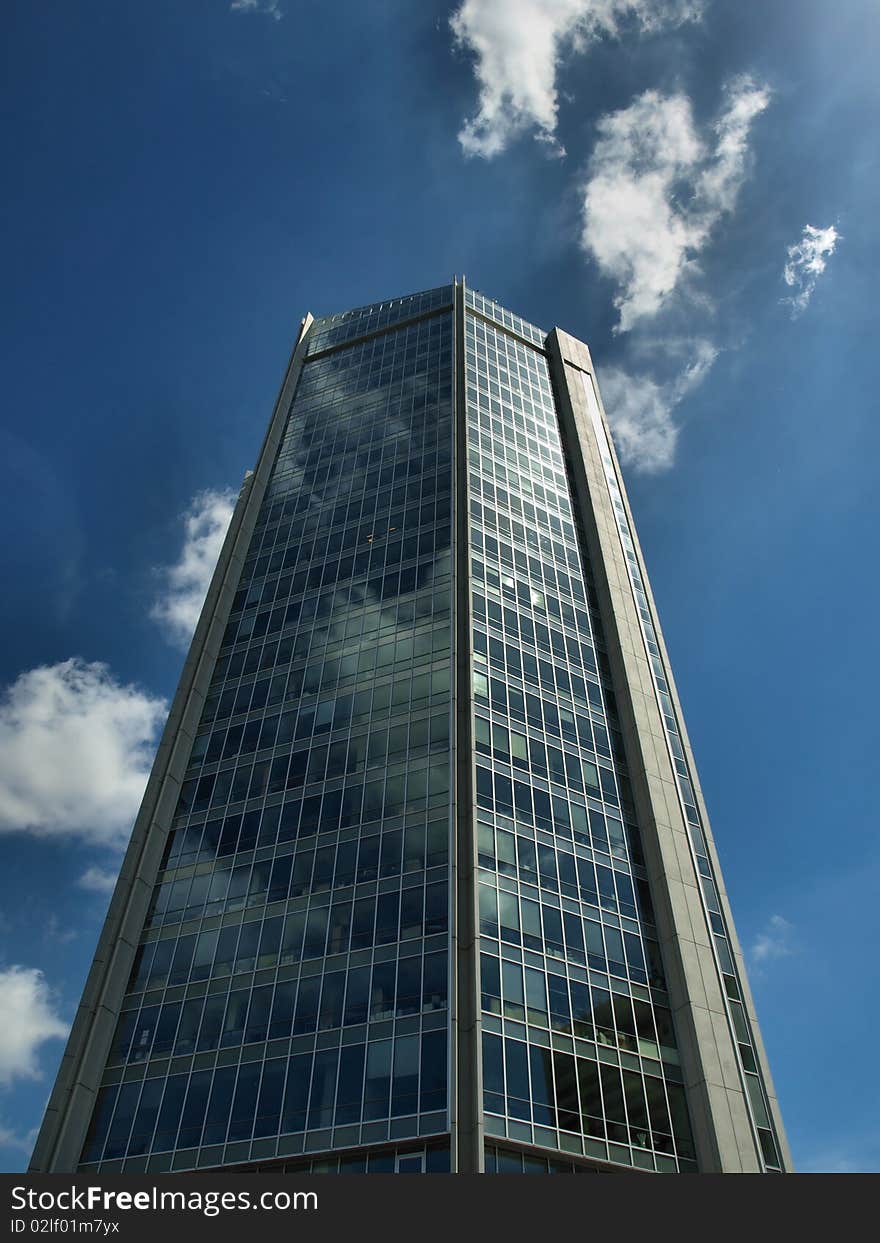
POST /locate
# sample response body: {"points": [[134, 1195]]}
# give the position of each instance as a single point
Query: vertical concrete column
{"points": [[466, 1071]]}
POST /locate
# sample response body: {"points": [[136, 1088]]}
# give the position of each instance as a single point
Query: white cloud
{"points": [[53, 930], [854, 1154], [776, 941], [270, 7], [640, 412], [98, 880], [186, 582], [29, 1019], [11, 1139], [656, 190], [640, 409], [519, 45], [807, 260], [76, 747]]}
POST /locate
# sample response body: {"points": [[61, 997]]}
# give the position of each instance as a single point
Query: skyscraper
{"points": [[423, 878]]}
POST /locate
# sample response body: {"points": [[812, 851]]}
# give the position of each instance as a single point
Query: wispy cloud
{"points": [[830, 1161], [55, 932], [29, 1020], [640, 409], [856, 1154], [271, 8], [76, 747], [518, 47], [98, 880], [807, 260], [656, 189], [185, 583], [653, 195], [774, 942], [12, 1139]]}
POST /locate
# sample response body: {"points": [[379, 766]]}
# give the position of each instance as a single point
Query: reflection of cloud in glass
{"points": [[362, 492], [377, 433]]}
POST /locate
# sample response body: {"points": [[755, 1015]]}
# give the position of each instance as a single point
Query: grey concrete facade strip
{"points": [[69, 1110], [468, 1155], [723, 1133]]}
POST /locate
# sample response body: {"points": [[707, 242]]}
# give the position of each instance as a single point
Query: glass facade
{"points": [[291, 1003], [578, 1045], [290, 992]]}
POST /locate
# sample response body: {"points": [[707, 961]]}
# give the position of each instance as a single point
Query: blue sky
{"points": [[184, 180]]}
